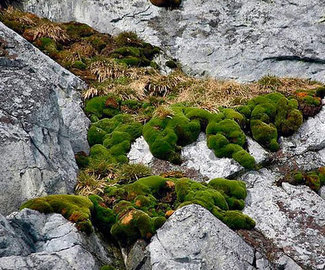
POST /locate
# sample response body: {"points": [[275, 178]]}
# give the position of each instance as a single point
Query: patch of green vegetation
{"points": [[79, 65], [107, 267], [132, 211], [272, 115], [136, 210], [310, 101], [76, 30], [110, 139], [171, 64], [75, 208], [269, 81], [315, 179], [103, 106], [48, 45], [166, 134], [128, 173], [132, 51]]}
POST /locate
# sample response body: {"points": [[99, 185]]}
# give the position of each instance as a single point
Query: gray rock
{"points": [[192, 238], [42, 124], [321, 192], [309, 137], [306, 148], [37, 241], [236, 39], [292, 217], [140, 152], [199, 157]]}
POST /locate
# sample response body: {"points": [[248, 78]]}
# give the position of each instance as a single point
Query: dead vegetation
{"points": [[49, 30]]}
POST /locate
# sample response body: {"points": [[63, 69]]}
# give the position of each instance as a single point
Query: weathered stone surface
{"points": [[193, 239], [238, 39], [140, 152], [306, 148], [293, 217], [41, 124], [31, 240], [199, 157]]}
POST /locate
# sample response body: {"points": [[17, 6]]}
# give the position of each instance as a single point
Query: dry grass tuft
{"points": [[163, 112], [24, 18], [212, 93], [50, 30], [162, 85], [83, 49], [88, 184], [107, 69]]}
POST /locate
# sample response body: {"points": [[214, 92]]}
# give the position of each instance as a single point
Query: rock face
{"points": [[31, 240], [193, 238], [41, 124], [238, 39], [306, 148], [293, 217]]}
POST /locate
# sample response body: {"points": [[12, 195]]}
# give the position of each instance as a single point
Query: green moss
{"points": [[74, 208], [77, 30], [107, 267], [111, 139], [79, 65], [298, 178], [171, 64], [237, 220], [48, 45], [287, 120], [103, 217], [265, 134], [134, 224], [313, 181], [166, 135], [235, 115], [320, 92], [96, 105]]}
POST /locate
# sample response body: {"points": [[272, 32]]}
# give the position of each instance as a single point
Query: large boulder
{"points": [[31, 240], [192, 238], [238, 39], [42, 123]]}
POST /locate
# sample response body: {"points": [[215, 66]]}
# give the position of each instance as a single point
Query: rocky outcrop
{"points": [[31, 240], [236, 39], [292, 217], [41, 124], [193, 238]]}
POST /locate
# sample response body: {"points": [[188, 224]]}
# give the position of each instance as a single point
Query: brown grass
{"points": [[13, 14], [88, 184], [50, 30]]}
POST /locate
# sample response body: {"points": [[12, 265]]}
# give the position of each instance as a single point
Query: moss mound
{"points": [[166, 135], [315, 179], [110, 139], [75, 208], [132, 211], [270, 116]]}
